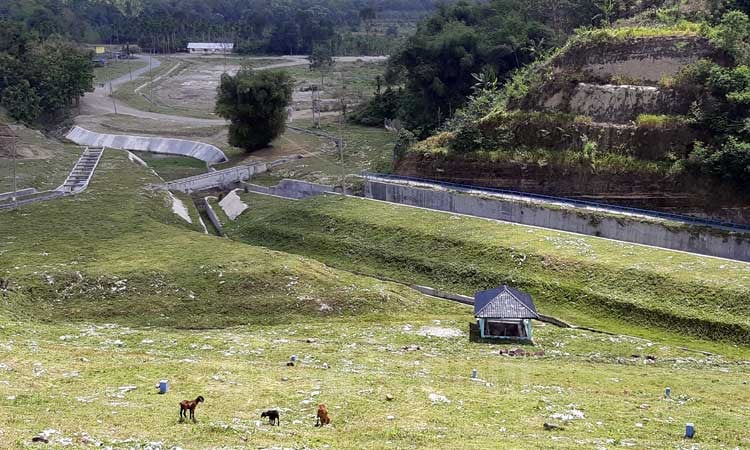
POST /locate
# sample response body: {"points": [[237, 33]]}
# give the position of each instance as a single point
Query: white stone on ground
{"points": [[440, 332], [437, 398], [569, 415]]}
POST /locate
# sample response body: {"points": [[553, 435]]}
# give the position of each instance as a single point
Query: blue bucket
{"points": [[689, 431], [474, 374], [163, 386], [668, 393]]}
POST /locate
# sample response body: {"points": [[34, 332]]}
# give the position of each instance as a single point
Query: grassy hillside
{"points": [[41, 164], [110, 289], [588, 280], [120, 244], [77, 370]]}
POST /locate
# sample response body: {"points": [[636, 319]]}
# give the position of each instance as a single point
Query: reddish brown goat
{"points": [[189, 405], [323, 418]]}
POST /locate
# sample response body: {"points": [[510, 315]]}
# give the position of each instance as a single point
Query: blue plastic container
{"points": [[474, 374], [689, 431], [163, 386], [668, 393]]}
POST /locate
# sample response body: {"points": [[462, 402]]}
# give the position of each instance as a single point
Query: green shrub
{"points": [[406, 139], [659, 121], [21, 102], [729, 162], [597, 36], [692, 78], [379, 108], [465, 124], [732, 35]]}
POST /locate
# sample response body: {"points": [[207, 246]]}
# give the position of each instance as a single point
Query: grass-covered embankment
{"points": [[171, 167], [77, 369], [118, 253], [588, 280], [110, 290]]}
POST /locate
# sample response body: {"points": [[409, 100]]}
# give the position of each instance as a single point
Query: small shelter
{"points": [[209, 48], [504, 313]]}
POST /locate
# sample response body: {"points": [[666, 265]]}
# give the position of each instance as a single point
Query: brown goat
{"points": [[323, 418], [189, 405]]}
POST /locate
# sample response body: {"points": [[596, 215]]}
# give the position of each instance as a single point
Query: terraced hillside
{"points": [[601, 119]]}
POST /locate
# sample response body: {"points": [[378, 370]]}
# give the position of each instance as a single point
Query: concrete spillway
{"points": [[198, 150]]}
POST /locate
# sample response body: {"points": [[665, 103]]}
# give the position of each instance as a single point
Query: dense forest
{"points": [[40, 77], [465, 44], [258, 26], [473, 46]]}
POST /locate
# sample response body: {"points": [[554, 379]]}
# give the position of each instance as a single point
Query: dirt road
{"points": [[99, 102]]}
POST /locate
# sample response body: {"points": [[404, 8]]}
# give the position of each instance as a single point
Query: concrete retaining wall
{"points": [[41, 197], [213, 217], [218, 178], [292, 189], [20, 193], [198, 150], [442, 294], [689, 239]]}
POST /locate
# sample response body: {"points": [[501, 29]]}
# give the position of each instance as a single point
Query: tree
{"points": [[255, 102], [60, 73], [368, 16], [731, 35], [608, 10], [21, 102], [321, 59]]}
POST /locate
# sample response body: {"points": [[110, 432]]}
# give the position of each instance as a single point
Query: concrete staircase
{"points": [[77, 181], [80, 176]]}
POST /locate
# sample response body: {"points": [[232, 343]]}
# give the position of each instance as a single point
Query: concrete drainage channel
{"points": [[179, 147], [702, 240]]}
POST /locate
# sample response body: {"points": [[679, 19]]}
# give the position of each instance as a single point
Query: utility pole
{"points": [[7, 134], [316, 106], [129, 56], [151, 83], [15, 182], [224, 51], [111, 94]]}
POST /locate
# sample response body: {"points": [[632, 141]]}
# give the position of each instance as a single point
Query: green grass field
{"points": [[173, 167], [116, 69], [110, 289], [140, 100], [587, 280], [67, 377], [366, 149], [356, 78]]}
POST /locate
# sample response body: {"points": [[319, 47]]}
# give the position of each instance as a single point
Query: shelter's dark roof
{"points": [[504, 302]]}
